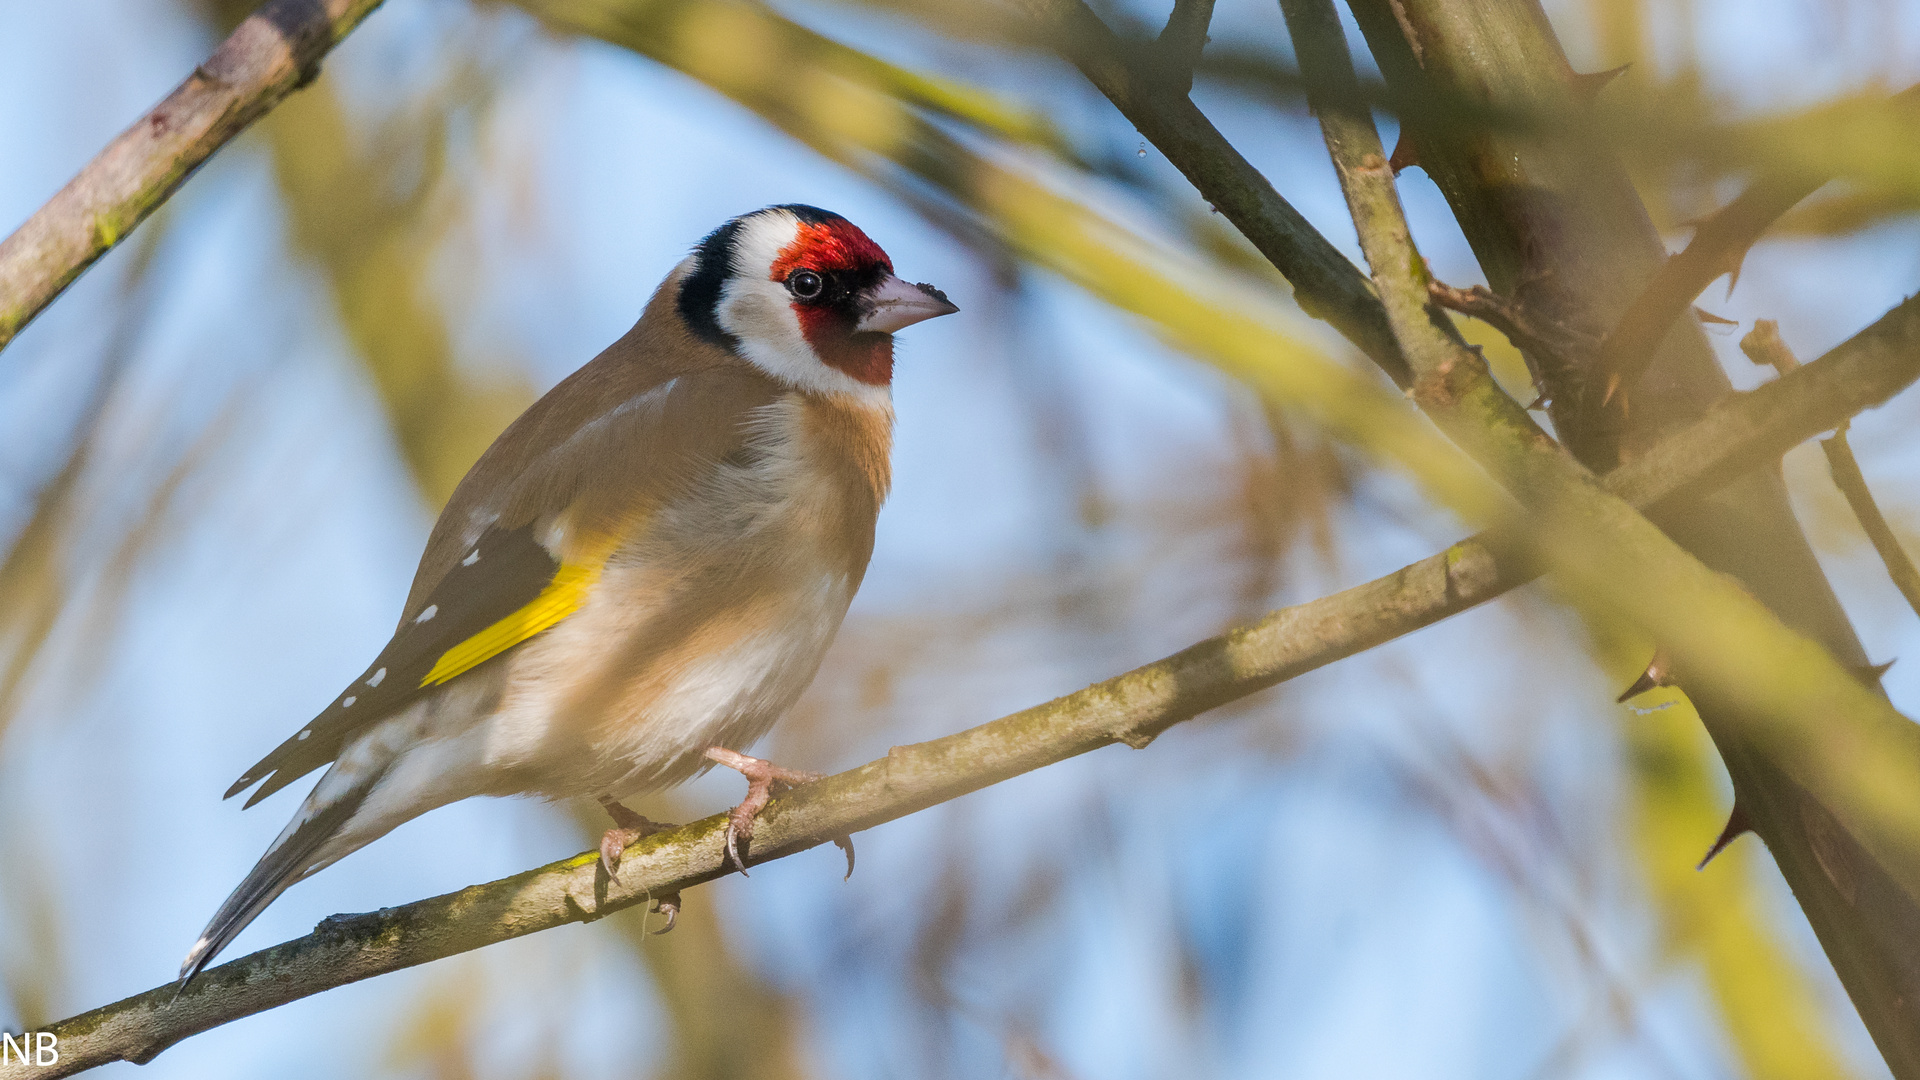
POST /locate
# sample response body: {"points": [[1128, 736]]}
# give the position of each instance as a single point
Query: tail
{"points": [[293, 856]]}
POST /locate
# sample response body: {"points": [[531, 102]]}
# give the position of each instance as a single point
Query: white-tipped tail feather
{"points": [[291, 858]]}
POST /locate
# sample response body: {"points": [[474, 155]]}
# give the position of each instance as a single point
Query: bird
{"points": [[640, 575]]}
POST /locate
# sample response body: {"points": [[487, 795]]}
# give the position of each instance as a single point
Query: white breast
{"points": [[703, 631]]}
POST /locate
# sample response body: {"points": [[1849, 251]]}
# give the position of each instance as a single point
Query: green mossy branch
{"points": [[1746, 432], [274, 52]]}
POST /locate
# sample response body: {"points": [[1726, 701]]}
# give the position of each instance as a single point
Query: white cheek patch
{"points": [[758, 312]]}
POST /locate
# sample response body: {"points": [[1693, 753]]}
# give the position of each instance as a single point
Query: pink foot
{"points": [[761, 778], [628, 827]]}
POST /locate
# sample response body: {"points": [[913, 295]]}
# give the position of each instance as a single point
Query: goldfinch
{"points": [[641, 574]]}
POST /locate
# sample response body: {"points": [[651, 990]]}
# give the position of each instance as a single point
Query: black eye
{"points": [[805, 284]]}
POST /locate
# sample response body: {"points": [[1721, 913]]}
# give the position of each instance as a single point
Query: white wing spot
{"points": [[377, 676], [472, 557], [348, 703], [432, 610], [304, 735]]}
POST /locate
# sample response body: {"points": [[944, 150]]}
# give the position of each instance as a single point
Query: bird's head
{"points": [[804, 295]]}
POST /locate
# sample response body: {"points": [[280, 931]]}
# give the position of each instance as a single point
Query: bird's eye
{"points": [[805, 284]]}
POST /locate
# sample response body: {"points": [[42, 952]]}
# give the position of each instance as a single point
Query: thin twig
{"points": [[1326, 285], [1763, 345], [1551, 348], [274, 52], [1745, 432]]}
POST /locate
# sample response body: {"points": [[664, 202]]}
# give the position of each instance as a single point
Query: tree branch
{"points": [[1746, 432], [1326, 285], [1180, 44], [1779, 691], [1764, 346], [1556, 223], [274, 52], [1719, 246]]}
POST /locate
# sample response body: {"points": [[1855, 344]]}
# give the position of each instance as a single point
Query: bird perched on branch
{"points": [[641, 574]]}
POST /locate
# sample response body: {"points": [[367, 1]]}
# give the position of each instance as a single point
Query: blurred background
{"points": [[1452, 856]]}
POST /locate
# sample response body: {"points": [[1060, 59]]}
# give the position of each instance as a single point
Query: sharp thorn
{"points": [[1736, 824], [1656, 674], [1588, 84], [1872, 673], [1405, 154], [1733, 275], [1640, 686]]}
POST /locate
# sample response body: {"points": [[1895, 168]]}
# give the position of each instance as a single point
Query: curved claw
{"points": [[733, 850], [613, 844], [670, 907], [845, 843]]}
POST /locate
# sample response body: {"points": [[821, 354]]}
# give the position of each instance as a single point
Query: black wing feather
{"points": [[505, 570]]}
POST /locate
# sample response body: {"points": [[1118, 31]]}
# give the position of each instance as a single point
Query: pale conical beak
{"points": [[897, 303]]}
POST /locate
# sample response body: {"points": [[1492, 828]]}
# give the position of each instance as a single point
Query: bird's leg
{"points": [[627, 827], [762, 776]]}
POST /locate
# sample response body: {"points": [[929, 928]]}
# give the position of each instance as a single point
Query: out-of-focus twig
{"points": [[33, 580], [273, 53], [1719, 246], [1133, 708], [1763, 345]]}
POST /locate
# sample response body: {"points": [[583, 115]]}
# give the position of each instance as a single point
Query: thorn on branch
{"points": [[1587, 85], [1871, 674], [1736, 824], [1406, 152], [1659, 672]]}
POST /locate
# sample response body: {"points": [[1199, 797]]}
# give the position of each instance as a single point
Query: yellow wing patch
{"points": [[561, 598]]}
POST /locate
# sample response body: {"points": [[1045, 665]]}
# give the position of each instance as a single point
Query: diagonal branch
{"points": [[1764, 346], [1746, 432], [274, 52]]}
